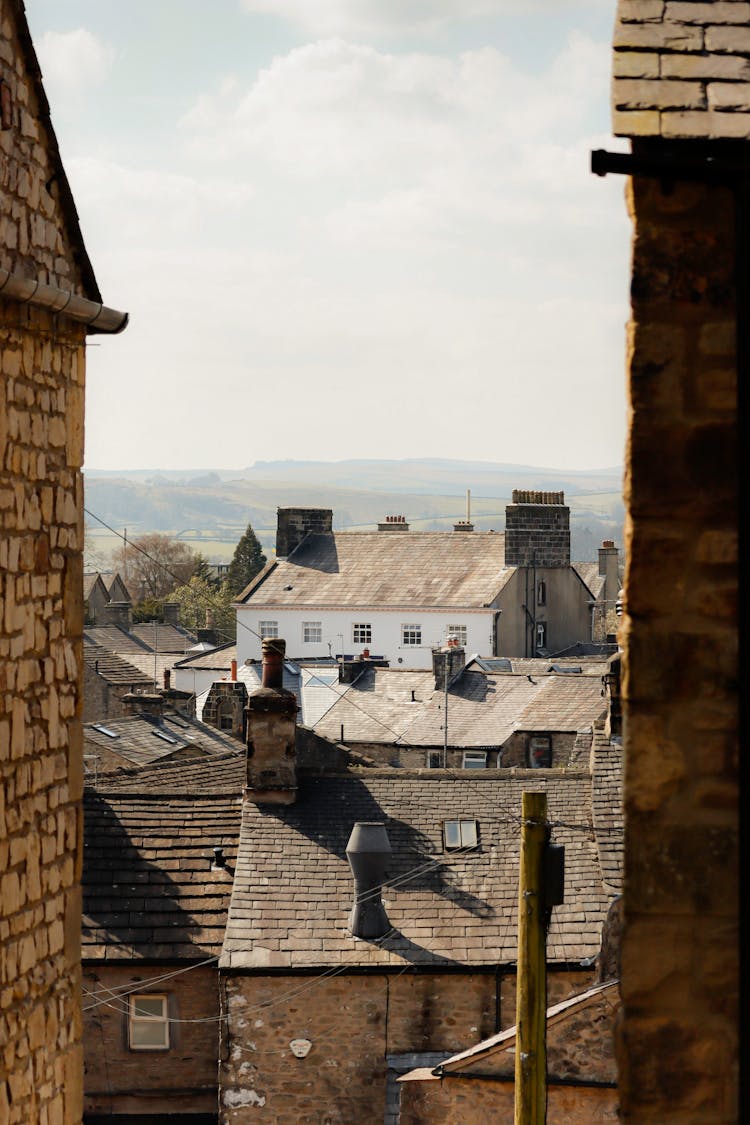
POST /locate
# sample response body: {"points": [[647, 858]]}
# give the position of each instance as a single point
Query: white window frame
{"points": [[460, 835], [268, 628], [409, 630], [312, 632], [361, 633], [475, 760], [136, 1020], [460, 632], [541, 634]]}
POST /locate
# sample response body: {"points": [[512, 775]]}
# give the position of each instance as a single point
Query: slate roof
{"points": [[375, 568], [149, 890], [608, 807], [141, 740], [681, 69], [293, 888], [222, 772], [218, 659], [114, 669], [160, 637], [483, 709], [589, 574]]}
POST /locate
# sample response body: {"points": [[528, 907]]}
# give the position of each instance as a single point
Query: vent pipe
{"points": [[367, 852]]}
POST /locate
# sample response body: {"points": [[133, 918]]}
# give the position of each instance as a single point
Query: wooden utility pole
{"points": [[531, 979]]}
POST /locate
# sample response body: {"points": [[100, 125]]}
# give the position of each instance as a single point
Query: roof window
{"points": [[104, 730], [164, 737]]}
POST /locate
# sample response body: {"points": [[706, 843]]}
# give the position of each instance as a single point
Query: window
{"points": [[268, 628], [433, 759], [459, 632], [312, 632], [362, 633], [459, 834], [541, 592], [148, 1022], [475, 759], [540, 752], [411, 634], [541, 634]]}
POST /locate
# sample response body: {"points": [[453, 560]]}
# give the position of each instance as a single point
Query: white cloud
{"points": [[387, 17], [72, 61]]}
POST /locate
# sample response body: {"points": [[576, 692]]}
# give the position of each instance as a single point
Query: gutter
{"points": [[33, 292]]}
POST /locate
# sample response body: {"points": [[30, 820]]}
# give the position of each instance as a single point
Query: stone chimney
{"points": [[463, 525], [609, 569], [119, 613], [537, 529], [171, 611], [271, 733], [447, 663], [393, 523], [293, 524], [367, 852], [148, 704]]}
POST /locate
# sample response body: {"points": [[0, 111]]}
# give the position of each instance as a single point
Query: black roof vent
{"points": [[367, 851]]}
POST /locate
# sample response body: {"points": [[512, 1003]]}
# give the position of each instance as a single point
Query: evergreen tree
{"points": [[248, 559]]}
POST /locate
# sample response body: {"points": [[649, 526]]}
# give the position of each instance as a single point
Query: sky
{"points": [[345, 228]]}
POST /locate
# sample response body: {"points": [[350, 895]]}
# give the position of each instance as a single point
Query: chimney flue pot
{"points": [[272, 655]]}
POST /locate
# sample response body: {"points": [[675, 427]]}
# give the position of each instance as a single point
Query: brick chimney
{"points": [[393, 523], [448, 661], [271, 733], [537, 529], [293, 524], [119, 613]]}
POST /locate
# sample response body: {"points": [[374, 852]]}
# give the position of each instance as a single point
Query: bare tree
{"points": [[153, 565]]}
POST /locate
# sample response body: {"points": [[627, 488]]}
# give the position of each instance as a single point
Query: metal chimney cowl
{"points": [[367, 852]]}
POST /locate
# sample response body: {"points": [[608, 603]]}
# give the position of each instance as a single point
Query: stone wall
{"points": [[678, 1044], [41, 451], [488, 1102], [352, 1022], [121, 1080], [293, 524]]}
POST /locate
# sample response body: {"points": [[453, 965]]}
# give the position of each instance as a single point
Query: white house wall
{"points": [[338, 633]]}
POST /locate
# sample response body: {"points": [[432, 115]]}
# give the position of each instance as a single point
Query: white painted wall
{"points": [[337, 629]]}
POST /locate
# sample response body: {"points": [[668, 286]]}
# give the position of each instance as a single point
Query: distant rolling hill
{"points": [[210, 509]]}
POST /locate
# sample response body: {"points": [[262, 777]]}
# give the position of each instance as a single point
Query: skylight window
{"points": [[459, 834], [105, 730], [164, 737]]}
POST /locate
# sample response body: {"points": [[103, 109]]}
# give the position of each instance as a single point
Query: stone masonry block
{"points": [[633, 93], [709, 67], [640, 11], [636, 64], [720, 11], [686, 124], [658, 37], [729, 95], [636, 123], [734, 40]]}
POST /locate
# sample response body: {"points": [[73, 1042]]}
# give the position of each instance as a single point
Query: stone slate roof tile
{"points": [[376, 568], [149, 890], [112, 668], [142, 741], [443, 907], [389, 705]]}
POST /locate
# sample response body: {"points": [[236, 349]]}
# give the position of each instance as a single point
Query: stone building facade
{"points": [[49, 301], [681, 92]]}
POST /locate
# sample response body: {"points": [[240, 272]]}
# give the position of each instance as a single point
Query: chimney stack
{"points": [[367, 852], [148, 704], [393, 523], [447, 663], [271, 732], [119, 613], [609, 569], [293, 524], [537, 529], [171, 611]]}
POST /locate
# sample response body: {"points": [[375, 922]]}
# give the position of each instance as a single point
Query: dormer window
{"points": [[459, 835]]}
